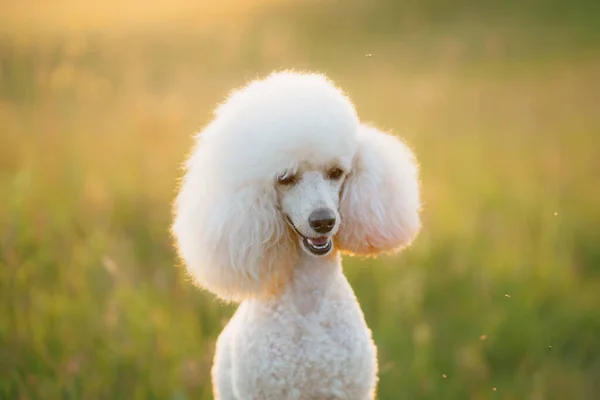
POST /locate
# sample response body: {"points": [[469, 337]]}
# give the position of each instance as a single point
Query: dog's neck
{"points": [[311, 278]]}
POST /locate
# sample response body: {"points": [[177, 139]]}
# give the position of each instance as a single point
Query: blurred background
{"points": [[499, 298]]}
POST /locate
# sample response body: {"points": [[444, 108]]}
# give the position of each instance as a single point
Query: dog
{"points": [[282, 181]]}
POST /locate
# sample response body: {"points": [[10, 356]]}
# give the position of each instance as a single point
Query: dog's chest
{"points": [[323, 351]]}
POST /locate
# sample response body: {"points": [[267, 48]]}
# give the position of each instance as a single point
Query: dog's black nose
{"points": [[322, 220]]}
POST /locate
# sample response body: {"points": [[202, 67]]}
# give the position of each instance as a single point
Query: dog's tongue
{"points": [[320, 240]]}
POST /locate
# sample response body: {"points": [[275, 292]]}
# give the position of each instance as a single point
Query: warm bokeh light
{"points": [[499, 296], [67, 15]]}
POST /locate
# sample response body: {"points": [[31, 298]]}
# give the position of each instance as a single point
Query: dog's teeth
{"points": [[318, 246]]}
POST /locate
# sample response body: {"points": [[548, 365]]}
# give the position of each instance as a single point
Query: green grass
{"points": [[499, 298]]}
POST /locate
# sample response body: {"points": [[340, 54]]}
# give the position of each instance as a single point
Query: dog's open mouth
{"points": [[318, 246]]}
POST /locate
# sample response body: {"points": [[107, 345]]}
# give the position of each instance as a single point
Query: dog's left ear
{"points": [[380, 204]]}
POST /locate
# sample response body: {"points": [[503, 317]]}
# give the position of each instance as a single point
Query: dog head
{"points": [[286, 170]]}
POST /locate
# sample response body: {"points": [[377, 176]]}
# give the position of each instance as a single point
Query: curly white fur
{"points": [[299, 332]]}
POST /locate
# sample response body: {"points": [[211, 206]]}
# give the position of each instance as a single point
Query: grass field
{"points": [[499, 298]]}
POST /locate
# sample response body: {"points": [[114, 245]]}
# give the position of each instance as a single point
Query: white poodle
{"points": [[282, 181]]}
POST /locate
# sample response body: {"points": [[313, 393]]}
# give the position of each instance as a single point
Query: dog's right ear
{"points": [[380, 203], [231, 237]]}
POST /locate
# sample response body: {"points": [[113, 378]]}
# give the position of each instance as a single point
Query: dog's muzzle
{"points": [[317, 246]]}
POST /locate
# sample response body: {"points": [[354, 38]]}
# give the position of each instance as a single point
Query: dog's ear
{"points": [[379, 204], [231, 237]]}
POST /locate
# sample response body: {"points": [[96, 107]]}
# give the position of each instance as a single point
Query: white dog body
{"points": [[282, 181], [311, 342]]}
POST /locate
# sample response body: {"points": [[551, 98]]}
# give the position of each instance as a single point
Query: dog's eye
{"points": [[335, 174], [287, 179]]}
